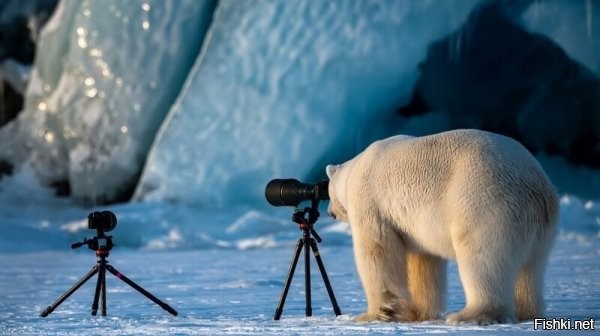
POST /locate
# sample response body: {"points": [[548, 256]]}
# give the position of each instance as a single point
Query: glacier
{"points": [[283, 88], [206, 101], [106, 74], [202, 102]]}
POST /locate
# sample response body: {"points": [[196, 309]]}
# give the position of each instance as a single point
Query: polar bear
{"points": [[467, 195]]}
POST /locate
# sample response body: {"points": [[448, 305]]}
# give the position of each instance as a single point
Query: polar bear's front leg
{"points": [[380, 257]]}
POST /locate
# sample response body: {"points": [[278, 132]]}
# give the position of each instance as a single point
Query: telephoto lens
{"points": [[291, 192]]}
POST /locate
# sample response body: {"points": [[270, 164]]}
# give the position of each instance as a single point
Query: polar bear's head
{"points": [[337, 192]]}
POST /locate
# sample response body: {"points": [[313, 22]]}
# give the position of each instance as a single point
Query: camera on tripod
{"points": [[291, 192], [102, 220]]}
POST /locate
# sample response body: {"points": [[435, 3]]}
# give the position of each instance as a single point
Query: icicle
{"points": [[455, 46], [588, 13]]}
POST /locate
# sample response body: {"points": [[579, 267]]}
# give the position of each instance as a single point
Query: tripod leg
{"points": [[141, 290], [288, 279], [68, 293], [307, 277], [98, 291], [103, 290], [336, 308]]}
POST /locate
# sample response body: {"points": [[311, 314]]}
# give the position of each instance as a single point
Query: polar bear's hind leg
{"points": [[427, 285], [488, 274], [530, 282]]}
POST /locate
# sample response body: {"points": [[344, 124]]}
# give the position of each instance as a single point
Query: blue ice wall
{"points": [[284, 87]]}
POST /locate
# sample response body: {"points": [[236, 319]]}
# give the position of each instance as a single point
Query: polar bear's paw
{"points": [[392, 312], [365, 317], [480, 317], [395, 312]]}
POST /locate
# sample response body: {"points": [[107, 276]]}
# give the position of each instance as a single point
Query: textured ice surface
{"points": [[233, 292], [283, 87], [105, 76], [574, 25]]}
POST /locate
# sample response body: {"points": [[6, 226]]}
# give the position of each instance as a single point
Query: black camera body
{"points": [[291, 192], [102, 221]]}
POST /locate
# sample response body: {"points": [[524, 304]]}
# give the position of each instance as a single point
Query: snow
{"points": [[223, 270], [235, 292]]}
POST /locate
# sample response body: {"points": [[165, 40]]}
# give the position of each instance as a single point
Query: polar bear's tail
{"points": [[552, 208]]}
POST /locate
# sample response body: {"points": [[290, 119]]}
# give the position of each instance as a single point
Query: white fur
{"points": [[475, 197]]}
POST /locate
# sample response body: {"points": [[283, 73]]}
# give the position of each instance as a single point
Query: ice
{"points": [[279, 90], [15, 74], [494, 73], [574, 25], [105, 77], [283, 88]]}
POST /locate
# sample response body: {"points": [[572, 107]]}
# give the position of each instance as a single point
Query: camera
{"points": [[291, 192], [102, 220]]}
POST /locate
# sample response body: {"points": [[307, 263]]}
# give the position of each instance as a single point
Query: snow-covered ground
{"points": [[232, 291], [223, 270]]}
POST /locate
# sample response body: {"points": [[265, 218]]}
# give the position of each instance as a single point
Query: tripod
{"points": [[308, 242], [102, 244]]}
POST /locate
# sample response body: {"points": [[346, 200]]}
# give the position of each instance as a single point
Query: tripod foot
{"points": [[46, 312], [288, 279], [68, 293], [315, 249]]}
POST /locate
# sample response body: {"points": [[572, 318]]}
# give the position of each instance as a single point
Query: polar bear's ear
{"points": [[331, 170]]}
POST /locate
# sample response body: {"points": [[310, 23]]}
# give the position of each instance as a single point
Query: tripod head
{"points": [[306, 224], [101, 243]]}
